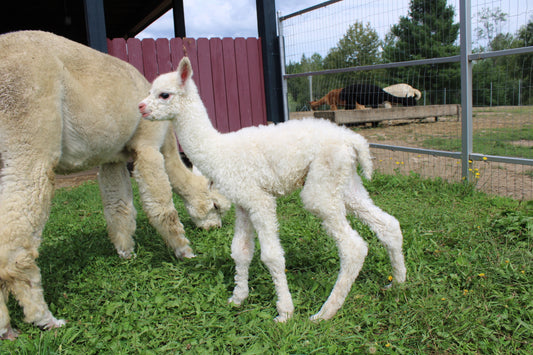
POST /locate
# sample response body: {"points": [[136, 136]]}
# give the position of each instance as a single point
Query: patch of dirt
{"points": [[76, 179], [523, 143], [510, 180]]}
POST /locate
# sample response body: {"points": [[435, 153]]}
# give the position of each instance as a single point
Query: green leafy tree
{"points": [[525, 63], [488, 23], [359, 46], [505, 80], [428, 31], [298, 88]]}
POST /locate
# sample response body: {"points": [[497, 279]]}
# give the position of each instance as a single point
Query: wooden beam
{"points": [[383, 114], [179, 19], [95, 24]]}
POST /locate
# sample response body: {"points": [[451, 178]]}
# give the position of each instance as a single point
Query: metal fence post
{"points": [[466, 87]]}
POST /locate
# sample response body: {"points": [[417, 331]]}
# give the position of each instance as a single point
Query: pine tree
{"points": [[428, 31]]}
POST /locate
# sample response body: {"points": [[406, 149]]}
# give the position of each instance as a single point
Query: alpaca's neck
{"points": [[196, 135]]}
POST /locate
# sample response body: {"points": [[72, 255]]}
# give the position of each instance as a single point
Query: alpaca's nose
{"points": [[142, 106]]}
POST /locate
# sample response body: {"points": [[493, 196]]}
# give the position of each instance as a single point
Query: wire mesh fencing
{"points": [[473, 53]]}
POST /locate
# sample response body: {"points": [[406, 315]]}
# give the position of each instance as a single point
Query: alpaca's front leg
{"points": [[205, 205], [156, 197], [265, 223], [242, 252], [119, 211]]}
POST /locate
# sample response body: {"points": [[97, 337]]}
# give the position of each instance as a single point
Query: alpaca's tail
{"points": [[362, 150]]}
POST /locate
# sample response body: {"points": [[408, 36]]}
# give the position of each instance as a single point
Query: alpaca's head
{"points": [[167, 94]]}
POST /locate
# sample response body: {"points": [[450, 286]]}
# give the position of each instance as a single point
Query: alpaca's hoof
{"points": [[52, 324], [320, 316], [283, 317], [234, 301], [185, 253], [9, 334], [315, 318], [56, 323], [209, 223], [126, 254]]}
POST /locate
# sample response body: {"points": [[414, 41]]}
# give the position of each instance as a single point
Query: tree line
{"points": [[428, 31]]}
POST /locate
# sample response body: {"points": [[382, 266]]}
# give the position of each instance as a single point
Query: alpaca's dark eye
{"points": [[164, 95]]}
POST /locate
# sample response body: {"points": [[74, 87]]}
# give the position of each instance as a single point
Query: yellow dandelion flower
{"points": [[484, 158], [481, 275], [389, 278], [523, 271], [443, 299], [465, 292], [387, 345], [507, 261]]}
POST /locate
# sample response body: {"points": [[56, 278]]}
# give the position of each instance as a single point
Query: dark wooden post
{"points": [[95, 24], [179, 18], [266, 25]]}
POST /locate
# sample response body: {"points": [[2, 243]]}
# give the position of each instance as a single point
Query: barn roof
{"points": [[123, 18]]}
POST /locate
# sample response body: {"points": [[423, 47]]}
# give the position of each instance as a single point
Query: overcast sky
{"points": [[237, 18], [219, 18]]}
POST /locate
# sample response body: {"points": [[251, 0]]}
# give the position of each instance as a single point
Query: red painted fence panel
{"points": [[228, 73]]}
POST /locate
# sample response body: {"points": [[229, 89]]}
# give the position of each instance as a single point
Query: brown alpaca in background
{"points": [[332, 99]]}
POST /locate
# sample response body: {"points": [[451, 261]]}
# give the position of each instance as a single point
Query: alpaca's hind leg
{"points": [[119, 211], [26, 193], [242, 252], [156, 197], [352, 252], [265, 223], [322, 196], [385, 226], [351, 247]]}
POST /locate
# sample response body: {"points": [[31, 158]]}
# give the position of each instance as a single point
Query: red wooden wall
{"points": [[228, 73]]}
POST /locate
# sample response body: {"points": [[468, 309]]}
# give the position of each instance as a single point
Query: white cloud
{"points": [[219, 18]]}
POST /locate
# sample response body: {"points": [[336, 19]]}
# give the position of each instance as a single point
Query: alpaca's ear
{"points": [[184, 71]]}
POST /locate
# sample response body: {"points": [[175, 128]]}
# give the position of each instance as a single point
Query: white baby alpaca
{"points": [[253, 166]]}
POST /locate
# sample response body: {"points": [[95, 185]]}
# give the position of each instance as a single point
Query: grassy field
{"points": [[469, 258]]}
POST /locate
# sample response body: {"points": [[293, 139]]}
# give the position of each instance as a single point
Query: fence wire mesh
{"points": [[417, 42]]}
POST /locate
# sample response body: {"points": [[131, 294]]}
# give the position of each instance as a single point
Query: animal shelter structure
{"points": [[93, 22]]}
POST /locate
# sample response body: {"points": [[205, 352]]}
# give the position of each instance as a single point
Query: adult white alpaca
{"points": [[255, 165], [65, 107]]}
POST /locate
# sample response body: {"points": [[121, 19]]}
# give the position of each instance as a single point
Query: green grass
{"points": [[497, 141], [469, 259]]}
